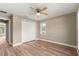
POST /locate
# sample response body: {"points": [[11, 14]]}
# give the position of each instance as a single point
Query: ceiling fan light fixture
{"points": [[38, 14]]}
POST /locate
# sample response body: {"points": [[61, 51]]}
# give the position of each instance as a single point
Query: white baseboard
{"points": [[47, 41], [17, 44], [28, 40], [22, 42], [59, 43]]}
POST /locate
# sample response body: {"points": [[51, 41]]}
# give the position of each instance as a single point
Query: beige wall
{"points": [[17, 34], [62, 29], [37, 29]]}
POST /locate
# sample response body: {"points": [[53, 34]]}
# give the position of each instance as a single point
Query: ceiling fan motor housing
{"points": [[38, 10]]}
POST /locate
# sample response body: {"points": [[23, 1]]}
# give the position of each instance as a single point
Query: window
{"points": [[1, 30], [43, 28]]}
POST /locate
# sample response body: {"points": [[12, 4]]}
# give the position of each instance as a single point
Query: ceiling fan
{"points": [[39, 11]]}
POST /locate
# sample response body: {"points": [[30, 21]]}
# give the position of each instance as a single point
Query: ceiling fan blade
{"points": [[45, 8], [44, 13], [33, 10], [3, 11]]}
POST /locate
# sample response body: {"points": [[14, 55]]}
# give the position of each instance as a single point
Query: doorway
{"points": [[4, 33]]}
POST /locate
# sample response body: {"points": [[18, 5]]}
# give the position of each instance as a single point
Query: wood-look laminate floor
{"points": [[37, 48]]}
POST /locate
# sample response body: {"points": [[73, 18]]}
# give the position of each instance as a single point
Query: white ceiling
{"points": [[54, 9]]}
